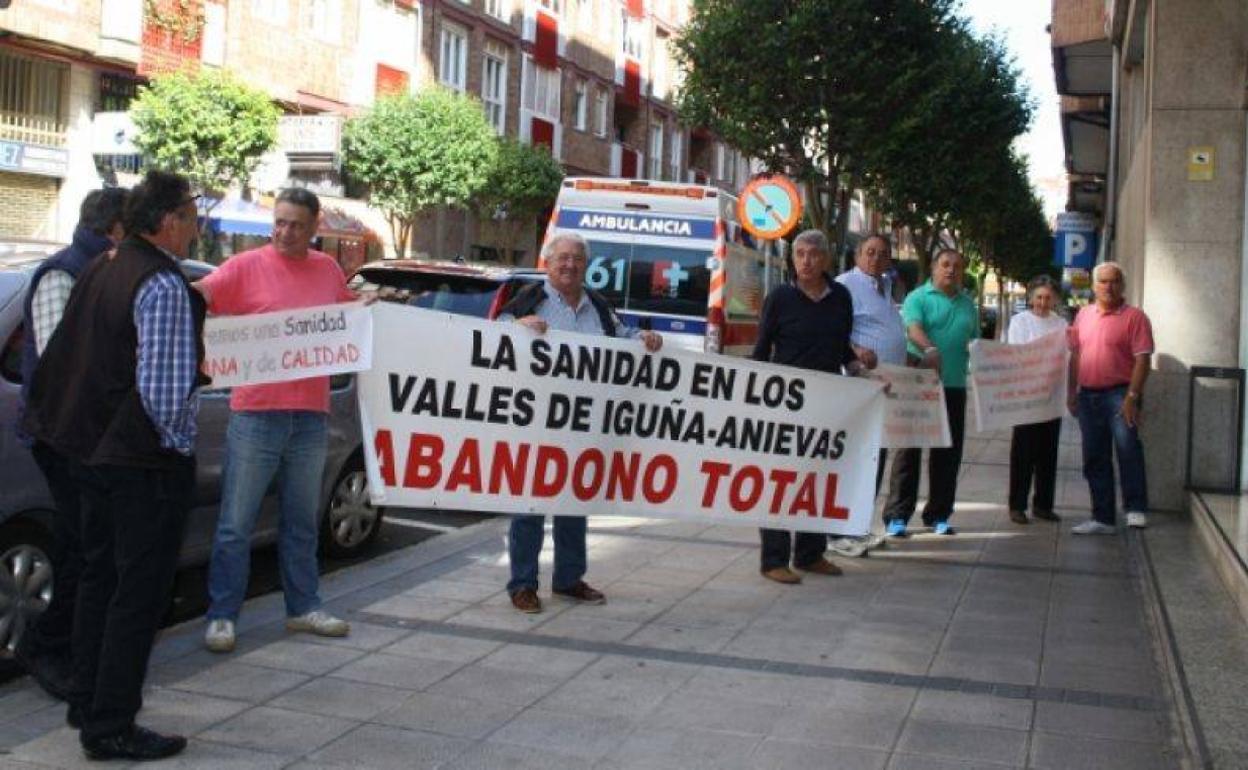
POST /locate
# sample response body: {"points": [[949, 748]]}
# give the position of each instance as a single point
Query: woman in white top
{"points": [[1033, 448]]}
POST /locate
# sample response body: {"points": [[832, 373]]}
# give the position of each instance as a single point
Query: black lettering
{"points": [[540, 350], [399, 395]]}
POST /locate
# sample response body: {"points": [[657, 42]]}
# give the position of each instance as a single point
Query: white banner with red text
{"points": [[487, 416], [288, 344], [914, 413], [1018, 384]]}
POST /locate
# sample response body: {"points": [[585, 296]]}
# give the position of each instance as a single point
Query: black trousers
{"points": [[49, 637], [942, 471], [132, 531], [806, 548], [1033, 452]]}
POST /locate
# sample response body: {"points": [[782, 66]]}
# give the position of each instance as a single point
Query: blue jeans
{"points": [[1104, 433], [261, 446], [527, 534]]}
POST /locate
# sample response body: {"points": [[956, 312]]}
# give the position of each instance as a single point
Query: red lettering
{"points": [[655, 494], [467, 468], [383, 445], [782, 480], [741, 502], [622, 479], [424, 461], [830, 509], [714, 472], [510, 467], [805, 499], [594, 459], [550, 458]]}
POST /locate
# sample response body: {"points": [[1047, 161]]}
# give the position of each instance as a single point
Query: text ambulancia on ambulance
{"points": [[672, 258]]}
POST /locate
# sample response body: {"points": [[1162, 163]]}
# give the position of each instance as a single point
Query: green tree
{"points": [[205, 125], [417, 152], [522, 183], [809, 87]]}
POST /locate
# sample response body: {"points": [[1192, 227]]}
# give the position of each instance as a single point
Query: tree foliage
{"points": [[205, 125], [417, 152], [896, 97], [522, 183]]}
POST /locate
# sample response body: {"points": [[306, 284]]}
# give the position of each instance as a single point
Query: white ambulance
{"points": [[671, 257]]}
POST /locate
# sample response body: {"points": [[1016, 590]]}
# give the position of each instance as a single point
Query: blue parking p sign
{"points": [[1075, 240]]}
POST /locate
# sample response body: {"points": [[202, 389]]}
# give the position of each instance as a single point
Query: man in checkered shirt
{"points": [[44, 647]]}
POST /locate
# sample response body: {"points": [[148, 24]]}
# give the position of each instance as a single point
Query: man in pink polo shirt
{"points": [[276, 431], [1111, 348]]}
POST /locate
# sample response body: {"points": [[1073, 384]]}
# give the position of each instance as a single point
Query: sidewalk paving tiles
{"points": [[1005, 646]]}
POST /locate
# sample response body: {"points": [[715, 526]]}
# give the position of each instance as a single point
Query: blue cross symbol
{"points": [[674, 275]]}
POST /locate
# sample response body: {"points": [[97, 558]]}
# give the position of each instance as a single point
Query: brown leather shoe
{"points": [[821, 566], [526, 600], [581, 592], [782, 575], [1018, 517]]}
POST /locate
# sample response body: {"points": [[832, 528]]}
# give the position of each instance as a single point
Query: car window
{"points": [[649, 278], [461, 294]]}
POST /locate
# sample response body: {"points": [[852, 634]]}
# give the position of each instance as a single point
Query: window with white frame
{"points": [[581, 108], [662, 67], [678, 149], [453, 61], [602, 101], [554, 6], [324, 18], [541, 90], [630, 34], [656, 151], [605, 15], [494, 85], [499, 9], [274, 11]]}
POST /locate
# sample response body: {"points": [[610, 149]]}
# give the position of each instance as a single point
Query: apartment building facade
{"points": [[592, 80]]}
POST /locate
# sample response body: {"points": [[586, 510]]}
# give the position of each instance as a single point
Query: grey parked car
{"points": [[349, 522]]}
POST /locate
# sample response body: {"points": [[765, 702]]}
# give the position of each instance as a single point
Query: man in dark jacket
{"points": [[44, 649], [131, 344]]}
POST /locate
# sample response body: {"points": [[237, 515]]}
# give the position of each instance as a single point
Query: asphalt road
{"points": [[402, 527]]}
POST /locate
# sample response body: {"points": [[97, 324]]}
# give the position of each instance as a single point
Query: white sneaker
{"points": [[220, 635], [320, 623], [1137, 519], [852, 547], [1093, 527]]}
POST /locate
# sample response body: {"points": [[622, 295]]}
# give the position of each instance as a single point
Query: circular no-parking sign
{"points": [[769, 207]]}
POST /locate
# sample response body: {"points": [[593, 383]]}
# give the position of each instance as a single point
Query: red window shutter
{"points": [[628, 164], [632, 83], [390, 81], [546, 45], [637, 8], [542, 132]]}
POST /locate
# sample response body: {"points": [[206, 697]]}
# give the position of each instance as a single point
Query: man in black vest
{"points": [[44, 650], [563, 303], [128, 350]]}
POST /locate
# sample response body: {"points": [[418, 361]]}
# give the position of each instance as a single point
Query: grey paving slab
{"points": [[1073, 753], [58, 748], [278, 731], [185, 713], [977, 709], [390, 748], [22, 698], [303, 657], [927, 762], [417, 607], [775, 753], [619, 687], [1124, 681], [488, 755], [1014, 668], [755, 687], [580, 626], [239, 681], [582, 736], [870, 698], [681, 709], [964, 742], [535, 659], [1097, 722], [687, 638], [519, 688], [207, 755], [398, 671], [424, 644], [363, 636], [457, 590], [691, 748], [837, 727], [450, 715], [348, 700]]}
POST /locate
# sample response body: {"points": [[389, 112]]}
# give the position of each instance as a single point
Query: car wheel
{"points": [[351, 522], [25, 581]]}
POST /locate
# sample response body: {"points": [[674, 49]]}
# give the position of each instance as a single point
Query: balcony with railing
{"points": [[32, 129]]}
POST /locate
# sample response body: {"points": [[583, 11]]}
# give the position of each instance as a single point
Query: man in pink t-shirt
{"points": [[1111, 347], [276, 431]]}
